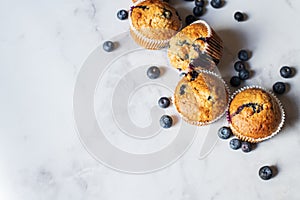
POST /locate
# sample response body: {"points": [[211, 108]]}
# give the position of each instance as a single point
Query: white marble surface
{"points": [[43, 45]]}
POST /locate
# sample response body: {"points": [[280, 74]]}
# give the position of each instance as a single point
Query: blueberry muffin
{"points": [[197, 44], [153, 23], [255, 114], [201, 97]]}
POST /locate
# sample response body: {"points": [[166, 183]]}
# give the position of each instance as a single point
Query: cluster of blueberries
{"points": [[240, 68], [199, 10], [265, 172], [285, 72], [244, 74], [225, 133]]}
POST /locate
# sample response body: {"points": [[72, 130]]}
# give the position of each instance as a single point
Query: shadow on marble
{"points": [[233, 41], [275, 170], [291, 108]]}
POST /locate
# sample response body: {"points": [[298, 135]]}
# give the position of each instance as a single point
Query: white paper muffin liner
{"points": [[147, 42], [211, 47], [197, 123], [250, 139]]}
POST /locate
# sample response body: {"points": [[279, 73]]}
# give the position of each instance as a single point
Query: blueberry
{"points": [[244, 74], [235, 81], [198, 11], [153, 72], [246, 147], [166, 121], [122, 14], [243, 55], [224, 132], [216, 3], [239, 66], [190, 19], [108, 46], [167, 14], [164, 102], [265, 172], [238, 16], [286, 72], [235, 144], [194, 74], [279, 87], [182, 89], [199, 3]]}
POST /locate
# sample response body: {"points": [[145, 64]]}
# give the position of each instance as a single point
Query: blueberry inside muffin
{"points": [[200, 97]]}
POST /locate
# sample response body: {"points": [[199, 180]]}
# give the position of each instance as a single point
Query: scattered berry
{"points": [[286, 72], [216, 3], [244, 74], [190, 19], [122, 14], [238, 16], [246, 147], [279, 87], [198, 11], [235, 81], [199, 3], [166, 121], [164, 102], [235, 144], [265, 172], [108, 46], [153, 72], [243, 55], [239, 66], [224, 132]]}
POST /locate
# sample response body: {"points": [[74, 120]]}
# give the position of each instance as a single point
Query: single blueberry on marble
{"points": [[153, 72], [243, 55], [190, 19], [122, 14], [108, 46], [279, 87], [265, 172], [235, 144], [235, 81], [198, 11], [286, 72], [164, 102], [244, 74], [166, 121], [224, 132], [239, 66], [216, 3], [239, 16], [246, 147], [199, 3]]}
